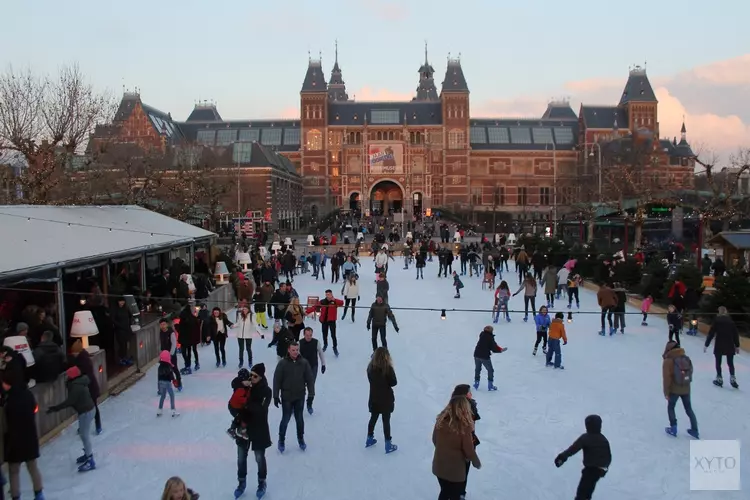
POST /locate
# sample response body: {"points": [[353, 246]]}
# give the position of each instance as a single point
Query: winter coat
{"points": [[674, 321], [457, 284], [259, 305], [244, 327], [542, 322], [21, 442], [646, 304], [596, 450], [268, 274], [381, 399], [282, 340], [266, 292], [166, 372], [452, 451], [381, 289], [121, 321], [295, 317], [78, 398], [529, 289], [421, 260], [350, 290], [83, 362], [214, 326], [327, 308], [486, 345], [291, 378], [379, 314], [189, 328], [167, 341], [550, 280], [557, 330], [667, 372], [50, 362], [381, 259], [562, 275], [727, 336], [280, 301], [606, 297], [312, 352], [622, 299], [256, 415]]}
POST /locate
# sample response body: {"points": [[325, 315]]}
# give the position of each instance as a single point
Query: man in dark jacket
{"points": [[309, 348], [48, 358], [190, 337], [486, 345], [380, 313], [258, 434], [79, 399], [727, 344], [597, 456], [280, 300], [282, 339], [168, 342], [292, 376], [121, 323]]}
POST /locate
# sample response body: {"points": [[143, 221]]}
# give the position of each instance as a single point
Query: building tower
{"points": [[426, 90], [336, 85], [453, 183], [313, 139], [640, 103]]}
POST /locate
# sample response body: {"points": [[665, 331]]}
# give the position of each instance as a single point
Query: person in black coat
{"points": [[727, 344], [258, 433], [49, 359], [14, 363], [597, 456], [218, 330], [120, 316], [486, 345], [382, 401], [465, 390], [21, 442], [82, 360], [190, 336]]}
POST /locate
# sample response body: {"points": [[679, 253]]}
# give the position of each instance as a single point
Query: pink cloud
{"points": [[730, 72], [386, 10], [290, 113], [380, 95]]}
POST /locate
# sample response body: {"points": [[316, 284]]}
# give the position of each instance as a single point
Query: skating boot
{"points": [[197, 366], [622, 331], [733, 382], [569, 306], [336, 351], [495, 320], [643, 323], [188, 370], [240, 489], [240, 365], [457, 296], [390, 447], [371, 441], [561, 367], [671, 430], [491, 386], [98, 430], [476, 384], [218, 363], [325, 347], [525, 319], [602, 333], [310, 409], [82, 458], [612, 331], [507, 319], [88, 465], [158, 414], [39, 495], [223, 364], [261, 491], [693, 433], [719, 382], [302, 444], [534, 351], [281, 446], [544, 349], [175, 414]]}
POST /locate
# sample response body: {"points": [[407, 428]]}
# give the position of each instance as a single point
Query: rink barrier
{"points": [[51, 393], [637, 301]]}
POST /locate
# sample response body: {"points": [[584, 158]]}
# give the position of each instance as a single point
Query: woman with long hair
{"points": [[502, 296], [175, 489], [382, 379], [295, 317], [245, 329], [529, 289], [454, 446], [350, 291], [218, 329]]}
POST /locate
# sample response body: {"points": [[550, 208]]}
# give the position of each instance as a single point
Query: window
{"points": [[564, 135], [314, 140], [522, 197], [476, 195], [384, 116], [498, 135], [520, 135], [415, 137], [477, 135], [544, 196], [542, 135], [455, 139], [271, 137], [206, 137], [355, 138], [379, 136], [226, 137], [334, 172], [291, 137], [250, 135], [242, 152], [500, 195], [390, 135]]}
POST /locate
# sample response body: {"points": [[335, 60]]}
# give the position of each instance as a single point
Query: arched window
{"points": [[419, 138], [390, 135], [456, 139], [358, 138], [379, 136], [314, 140]]}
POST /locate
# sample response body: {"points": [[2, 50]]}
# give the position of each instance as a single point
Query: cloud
{"points": [[369, 94], [290, 113], [386, 10]]}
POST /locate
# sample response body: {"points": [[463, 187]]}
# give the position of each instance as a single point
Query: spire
{"points": [[336, 85], [683, 132], [426, 90], [638, 88], [455, 81], [314, 79], [426, 63]]}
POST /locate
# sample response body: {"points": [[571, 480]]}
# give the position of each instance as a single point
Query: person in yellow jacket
{"points": [[556, 333]]}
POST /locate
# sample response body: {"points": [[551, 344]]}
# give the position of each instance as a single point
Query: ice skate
{"points": [[175, 414], [240, 489], [371, 441], [158, 413], [197, 366], [261, 491], [302, 444], [390, 447], [491, 386], [719, 382], [643, 323], [671, 430], [336, 351], [544, 349], [602, 333], [533, 353], [281, 447], [733, 382], [88, 465], [693, 433], [525, 319], [82, 458]]}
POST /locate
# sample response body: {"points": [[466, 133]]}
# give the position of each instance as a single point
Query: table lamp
{"points": [[310, 240], [84, 327], [409, 236], [275, 246], [244, 260], [288, 241], [221, 272]]}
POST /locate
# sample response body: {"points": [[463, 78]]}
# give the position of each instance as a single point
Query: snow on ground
{"points": [[536, 412]]}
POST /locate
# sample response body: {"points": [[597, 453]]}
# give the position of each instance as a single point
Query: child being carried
{"points": [[241, 386]]}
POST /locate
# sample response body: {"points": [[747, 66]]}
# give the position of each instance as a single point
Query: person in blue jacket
{"points": [[542, 321]]}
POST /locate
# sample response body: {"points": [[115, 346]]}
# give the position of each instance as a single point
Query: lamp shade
{"points": [[310, 238], [275, 246], [20, 344], [288, 241], [221, 269], [409, 236], [83, 327], [243, 258]]}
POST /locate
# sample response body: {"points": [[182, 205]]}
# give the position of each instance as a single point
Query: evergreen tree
{"points": [[690, 275], [733, 292]]}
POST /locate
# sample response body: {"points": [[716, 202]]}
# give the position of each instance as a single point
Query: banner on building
{"points": [[386, 158]]}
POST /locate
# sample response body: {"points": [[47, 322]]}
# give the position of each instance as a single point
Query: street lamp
{"points": [[591, 155], [554, 188]]}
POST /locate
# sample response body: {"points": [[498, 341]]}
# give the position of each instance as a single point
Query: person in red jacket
{"points": [[677, 295], [327, 309]]}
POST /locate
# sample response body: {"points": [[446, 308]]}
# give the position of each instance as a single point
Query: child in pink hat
{"points": [[167, 375]]}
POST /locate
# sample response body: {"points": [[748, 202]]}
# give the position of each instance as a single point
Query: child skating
{"points": [[674, 321], [556, 334], [645, 308], [486, 345], [457, 284], [502, 296], [597, 457], [167, 377], [542, 322]]}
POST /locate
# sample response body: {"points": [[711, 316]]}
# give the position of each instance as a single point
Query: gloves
{"points": [[276, 402], [565, 342], [270, 345], [368, 326], [396, 330], [559, 460], [323, 369]]}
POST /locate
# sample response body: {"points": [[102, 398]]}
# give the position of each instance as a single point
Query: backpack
{"points": [[683, 370], [239, 398]]}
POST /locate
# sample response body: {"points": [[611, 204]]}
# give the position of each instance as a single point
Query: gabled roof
{"points": [[281, 135], [737, 239], [163, 124], [638, 88], [385, 113], [204, 113], [454, 78], [559, 110], [604, 117], [127, 105], [314, 79]]}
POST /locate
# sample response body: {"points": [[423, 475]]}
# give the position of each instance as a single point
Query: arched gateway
{"points": [[386, 198]]}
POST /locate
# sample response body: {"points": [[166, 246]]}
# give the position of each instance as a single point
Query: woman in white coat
{"points": [[245, 329], [350, 291]]}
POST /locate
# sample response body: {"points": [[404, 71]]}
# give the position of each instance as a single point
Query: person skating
{"points": [[674, 322], [382, 378], [529, 289], [292, 379], [677, 374], [420, 263], [259, 306], [542, 322], [309, 348], [280, 300], [218, 327], [79, 399], [82, 360], [190, 335], [607, 299], [597, 456], [167, 375], [282, 339], [350, 291], [645, 308], [457, 284], [502, 296], [245, 328], [556, 334], [328, 308], [258, 434], [454, 447], [381, 262], [619, 310], [727, 344], [295, 318], [486, 345], [380, 313], [465, 390], [168, 342], [549, 281], [574, 283], [382, 287]]}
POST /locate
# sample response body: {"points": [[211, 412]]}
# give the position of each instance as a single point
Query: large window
{"points": [[478, 135], [206, 137], [498, 135], [384, 116], [250, 135], [291, 137], [314, 140], [456, 139], [476, 195], [226, 137], [544, 196], [522, 197], [271, 137], [242, 152], [500, 195]]}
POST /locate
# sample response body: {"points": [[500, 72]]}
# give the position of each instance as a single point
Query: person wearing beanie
{"points": [[258, 436], [167, 376], [82, 360], [465, 390], [677, 374], [486, 345], [597, 456], [79, 398]]}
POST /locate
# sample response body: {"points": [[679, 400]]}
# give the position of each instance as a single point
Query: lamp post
{"points": [[239, 209], [554, 188], [591, 155]]}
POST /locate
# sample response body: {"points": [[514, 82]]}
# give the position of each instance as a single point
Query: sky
{"points": [[250, 57]]}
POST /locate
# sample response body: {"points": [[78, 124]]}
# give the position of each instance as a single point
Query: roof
{"points": [[604, 117], [638, 88], [281, 135], [737, 239], [314, 79], [454, 81], [204, 113], [44, 237], [522, 134], [385, 113], [559, 110]]}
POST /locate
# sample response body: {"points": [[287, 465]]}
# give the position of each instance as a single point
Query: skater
{"points": [[189, 331], [380, 313], [502, 296], [674, 322], [677, 374], [259, 306], [350, 291], [562, 281], [219, 326], [465, 391], [382, 287], [454, 447], [542, 322], [549, 281], [529, 289], [240, 394], [292, 378], [82, 360], [597, 456], [245, 328], [619, 309], [381, 263], [280, 300], [382, 380], [457, 285], [556, 333], [168, 341], [727, 344], [328, 309], [167, 376], [645, 308], [175, 489], [295, 318], [79, 399], [486, 345], [258, 433], [573, 284], [420, 263], [282, 339], [309, 348], [607, 300]]}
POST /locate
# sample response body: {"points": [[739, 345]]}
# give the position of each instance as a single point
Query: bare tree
{"points": [[728, 187], [48, 121]]}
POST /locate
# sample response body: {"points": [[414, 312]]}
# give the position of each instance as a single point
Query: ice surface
{"points": [[536, 412]]}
